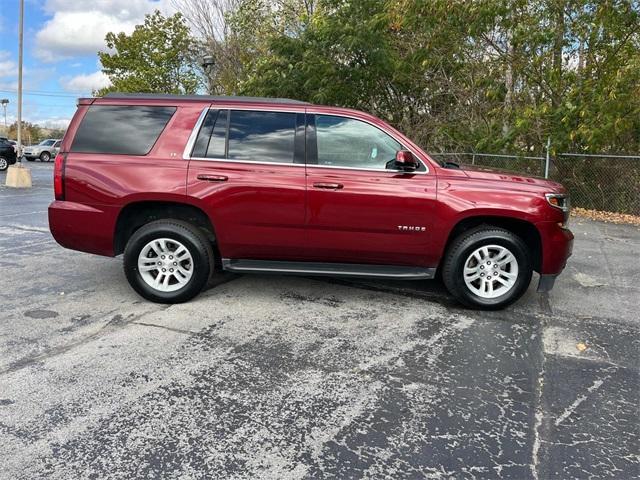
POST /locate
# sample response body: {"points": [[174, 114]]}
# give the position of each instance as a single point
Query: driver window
{"points": [[345, 142]]}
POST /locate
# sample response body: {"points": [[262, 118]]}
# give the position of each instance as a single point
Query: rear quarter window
{"points": [[121, 129]]}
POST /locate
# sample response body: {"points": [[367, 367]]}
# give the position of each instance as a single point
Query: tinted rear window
{"points": [[122, 129], [262, 136], [213, 135]]}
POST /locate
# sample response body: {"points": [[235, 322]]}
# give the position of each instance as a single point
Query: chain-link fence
{"points": [[609, 183]]}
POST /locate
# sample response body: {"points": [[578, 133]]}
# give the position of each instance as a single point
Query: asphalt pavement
{"points": [[287, 378]]}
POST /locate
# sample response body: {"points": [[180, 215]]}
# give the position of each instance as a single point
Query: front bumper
{"points": [[557, 247]]}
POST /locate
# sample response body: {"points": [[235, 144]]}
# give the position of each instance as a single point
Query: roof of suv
{"points": [[212, 98]]}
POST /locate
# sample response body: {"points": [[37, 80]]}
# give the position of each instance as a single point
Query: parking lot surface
{"points": [[285, 377]]}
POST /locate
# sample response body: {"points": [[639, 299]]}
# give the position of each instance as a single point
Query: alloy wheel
{"points": [[490, 271], [165, 264]]}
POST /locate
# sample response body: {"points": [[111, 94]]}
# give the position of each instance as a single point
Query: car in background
{"points": [[44, 151], [7, 154]]}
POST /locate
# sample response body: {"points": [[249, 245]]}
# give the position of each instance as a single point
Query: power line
{"points": [[43, 93]]}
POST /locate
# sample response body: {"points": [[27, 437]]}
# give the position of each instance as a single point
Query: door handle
{"points": [[328, 186], [213, 178]]}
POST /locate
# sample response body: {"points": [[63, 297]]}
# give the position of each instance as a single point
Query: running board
{"points": [[330, 269]]}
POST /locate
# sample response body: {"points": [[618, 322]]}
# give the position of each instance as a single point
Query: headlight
{"points": [[561, 202]]}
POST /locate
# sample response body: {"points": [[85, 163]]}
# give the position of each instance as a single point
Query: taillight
{"points": [[58, 177]]}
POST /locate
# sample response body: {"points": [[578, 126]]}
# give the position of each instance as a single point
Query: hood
{"points": [[485, 173]]}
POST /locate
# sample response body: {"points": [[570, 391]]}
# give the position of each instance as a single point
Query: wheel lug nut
{"points": [[164, 269], [481, 267], [162, 257], [175, 263], [171, 269], [489, 263], [159, 263], [482, 274]]}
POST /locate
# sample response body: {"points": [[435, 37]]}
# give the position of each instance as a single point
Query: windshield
{"points": [[47, 143]]}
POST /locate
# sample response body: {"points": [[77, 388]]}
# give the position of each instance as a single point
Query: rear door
{"points": [[247, 169], [360, 209]]}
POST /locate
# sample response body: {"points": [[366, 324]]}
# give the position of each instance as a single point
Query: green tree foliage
{"points": [[155, 58], [31, 133], [487, 75]]}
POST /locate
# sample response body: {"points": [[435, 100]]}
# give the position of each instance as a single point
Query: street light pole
{"points": [[5, 102], [208, 63], [20, 46], [17, 175]]}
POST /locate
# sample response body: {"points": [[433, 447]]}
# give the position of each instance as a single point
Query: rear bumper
{"points": [[82, 227]]}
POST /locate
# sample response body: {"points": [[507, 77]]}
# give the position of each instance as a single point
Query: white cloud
{"points": [[70, 34], [86, 82], [8, 68], [54, 122], [41, 120], [78, 27]]}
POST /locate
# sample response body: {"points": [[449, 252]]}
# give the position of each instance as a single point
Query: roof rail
{"points": [[212, 98]]}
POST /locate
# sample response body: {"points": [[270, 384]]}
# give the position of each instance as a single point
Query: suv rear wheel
{"points": [[168, 261], [487, 267]]}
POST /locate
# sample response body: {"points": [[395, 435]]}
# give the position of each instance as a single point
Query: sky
{"points": [[61, 41]]}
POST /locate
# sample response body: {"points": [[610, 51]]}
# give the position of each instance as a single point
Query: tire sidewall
{"points": [[202, 263], [515, 246], [3, 164]]}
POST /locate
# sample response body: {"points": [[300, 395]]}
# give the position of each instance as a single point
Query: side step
{"points": [[329, 269]]}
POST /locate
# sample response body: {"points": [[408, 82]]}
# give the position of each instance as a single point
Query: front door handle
{"points": [[328, 186], [213, 178]]}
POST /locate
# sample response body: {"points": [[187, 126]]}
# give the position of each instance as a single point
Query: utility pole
{"points": [[17, 175]]}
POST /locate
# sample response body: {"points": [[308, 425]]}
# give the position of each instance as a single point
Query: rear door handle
{"points": [[213, 178], [328, 186]]}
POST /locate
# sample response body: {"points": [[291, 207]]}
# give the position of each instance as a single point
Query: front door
{"points": [[360, 209], [247, 169]]}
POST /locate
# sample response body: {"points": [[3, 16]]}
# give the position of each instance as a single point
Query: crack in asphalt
{"points": [[538, 403], [117, 322], [177, 330]]}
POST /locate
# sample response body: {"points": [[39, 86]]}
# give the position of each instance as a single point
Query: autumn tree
{"points": [[157, 57]]}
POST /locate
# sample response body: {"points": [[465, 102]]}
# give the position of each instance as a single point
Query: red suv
{"points": [[187, 186]]}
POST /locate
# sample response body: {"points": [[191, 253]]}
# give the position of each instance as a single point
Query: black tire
{"points": [[191, 237], [4, 164], [45, 157], [460, 250]]}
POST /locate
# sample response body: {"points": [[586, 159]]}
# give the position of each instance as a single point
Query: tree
{"points": [[31, 133], [158, 57], [490, 76]]}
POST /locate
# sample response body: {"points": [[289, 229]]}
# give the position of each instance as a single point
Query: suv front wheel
{"points": [[168, 261], [488, 268]]}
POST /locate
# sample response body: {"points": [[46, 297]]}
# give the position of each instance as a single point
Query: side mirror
{"points": [[406, 161]]}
